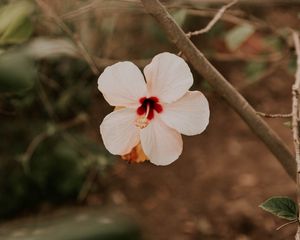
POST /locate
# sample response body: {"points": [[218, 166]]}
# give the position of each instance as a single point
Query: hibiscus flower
{"points": [[151, 115]]}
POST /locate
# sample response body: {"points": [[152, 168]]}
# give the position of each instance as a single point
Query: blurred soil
{"points": [[214, 189]]}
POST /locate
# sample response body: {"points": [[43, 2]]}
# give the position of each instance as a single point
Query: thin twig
{"points": [[81, 48], [286, 224], [222, 86], [209, 26], [260, 3], [88, 183], [81, 10], [81, 118], [276, 115], [296, 117], [227, 17], [34, 144], [213, 21], [45, 101], [134, 7]]}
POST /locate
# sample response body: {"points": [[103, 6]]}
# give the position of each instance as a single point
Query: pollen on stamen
{"points": [[142, 122], [146, 110]]}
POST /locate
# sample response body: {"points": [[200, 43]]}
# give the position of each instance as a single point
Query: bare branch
{"points": [[276, 115], [286, 224], [222, 86], [209, 26], [81, 48], [261, 3], [295, 106], [295, 117], [88, 183], [48, 133], [213, 21]]}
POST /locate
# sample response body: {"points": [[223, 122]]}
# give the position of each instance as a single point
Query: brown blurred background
{"points": [[52, 156]]}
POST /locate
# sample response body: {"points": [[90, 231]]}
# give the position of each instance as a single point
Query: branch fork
{"points": [[222, 86]]}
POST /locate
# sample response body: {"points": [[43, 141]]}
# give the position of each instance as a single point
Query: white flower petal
{"points": [[168, 77], [122, 84], [119, 133], [189, 115], [161, 144]]}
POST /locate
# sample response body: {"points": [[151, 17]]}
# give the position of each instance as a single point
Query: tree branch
{"points": [[81, 118], [295, 102], [260, 3], [212, 22], [80, 46], [296, 117], [222, 86], [276, 115]]}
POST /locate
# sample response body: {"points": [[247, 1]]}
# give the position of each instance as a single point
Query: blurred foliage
{"points": [[40, 94], [17, 72], [292, 66], [238, 35], [17, 69], [15, 22], [58, 173], [255, 70], [218, 30], [274, 42], [54, 174], [96, 224], [58, 166]]}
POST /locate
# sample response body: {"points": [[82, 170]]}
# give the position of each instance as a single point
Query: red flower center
{"points": [[148, 106]]}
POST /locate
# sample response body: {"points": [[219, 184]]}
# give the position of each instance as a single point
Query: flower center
{"points": [[146, 111]]}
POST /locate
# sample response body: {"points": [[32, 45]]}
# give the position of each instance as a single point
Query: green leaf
{"points": [[17, 72], [282, 207], [238, 35], [15, 23], [21, 31]]}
